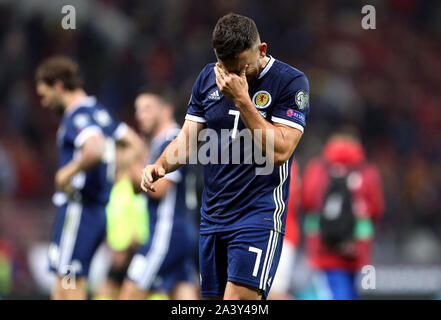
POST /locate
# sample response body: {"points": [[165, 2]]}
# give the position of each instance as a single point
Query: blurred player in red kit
{"points": [[342, 197]]}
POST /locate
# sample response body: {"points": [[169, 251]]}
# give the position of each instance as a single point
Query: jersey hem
{"points": [[289, 123], [195, 118]]}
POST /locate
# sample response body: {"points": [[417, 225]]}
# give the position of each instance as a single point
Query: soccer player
{"points": [[243, 212], [86, 141], [166, 263]]}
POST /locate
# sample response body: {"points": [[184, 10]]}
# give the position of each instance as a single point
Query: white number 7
{"points": [[259, 254], [236, 115]]}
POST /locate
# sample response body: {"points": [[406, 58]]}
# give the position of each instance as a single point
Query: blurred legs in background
{"points": [[341, 284], [127, 228], [282, 284], [76, 292]]}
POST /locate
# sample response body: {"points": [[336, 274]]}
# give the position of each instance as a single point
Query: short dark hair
{"points": [[59, 68], [233, 34]]}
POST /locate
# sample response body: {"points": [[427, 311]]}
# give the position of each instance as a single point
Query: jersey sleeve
{"points": [[81, 127], [292, 105], [195, 111], [110, 125], [120, 131]]}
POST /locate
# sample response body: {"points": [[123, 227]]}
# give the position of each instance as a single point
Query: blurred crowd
{"points": [[386, 81]]}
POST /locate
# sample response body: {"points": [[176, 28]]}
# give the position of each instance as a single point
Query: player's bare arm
{"points": [[151, 173], [91, 154], [235, 88]]}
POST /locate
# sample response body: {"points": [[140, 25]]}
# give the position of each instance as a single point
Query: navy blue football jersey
{"points": [[234, 195], [86, 119]]}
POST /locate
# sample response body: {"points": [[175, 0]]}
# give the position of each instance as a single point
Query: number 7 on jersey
{"points": [[257, 263]]}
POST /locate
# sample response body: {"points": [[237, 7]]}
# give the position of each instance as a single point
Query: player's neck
{"points": [[72, 98], [265, 61]]}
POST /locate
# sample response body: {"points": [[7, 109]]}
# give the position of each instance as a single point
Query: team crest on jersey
{"points": [[302, 99], [262, 99]]}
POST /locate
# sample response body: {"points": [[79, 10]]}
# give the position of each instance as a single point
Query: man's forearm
{"points": [[170, 159], [178, 152], [253, 120]]}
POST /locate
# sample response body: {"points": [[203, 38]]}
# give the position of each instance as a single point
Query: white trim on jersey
{"points": [[274, 235], [288, 123], [270, 261], [195, 118], [69, 234], [267, 254], [278, 198], [286, 171], [88, 101], [120, 131], [86, 134], [267, 67], [161, 239]]}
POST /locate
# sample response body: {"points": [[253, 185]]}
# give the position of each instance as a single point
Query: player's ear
{"points": [[262, 49], [58, 85]]}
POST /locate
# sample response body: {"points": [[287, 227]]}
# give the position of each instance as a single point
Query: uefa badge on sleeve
{"points": [[302, 99]]}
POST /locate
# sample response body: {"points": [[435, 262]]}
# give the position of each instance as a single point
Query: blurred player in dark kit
{"points": [[86, 140], [165, 264]]}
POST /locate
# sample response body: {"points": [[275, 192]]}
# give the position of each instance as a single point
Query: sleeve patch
{"points": [[302, 99], [296, 115]]}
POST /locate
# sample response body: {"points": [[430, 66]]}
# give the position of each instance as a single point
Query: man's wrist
{"points": [[242, 101], [162, 164]]}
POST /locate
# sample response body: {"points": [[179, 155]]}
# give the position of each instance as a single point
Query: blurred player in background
{"points": [[165, 264], [127, 220], [86, 140], [342, 197], [243, 213], [282, 284]]}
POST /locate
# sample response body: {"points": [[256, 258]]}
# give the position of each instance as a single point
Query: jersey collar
{"points": [[88, 101], [267, 67]]}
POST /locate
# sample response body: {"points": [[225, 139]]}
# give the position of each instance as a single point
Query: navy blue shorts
{"points": [[78, 231], [247, 256], [166, 259]]}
